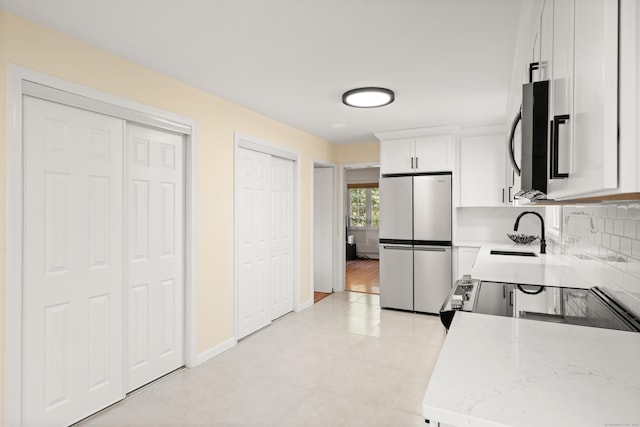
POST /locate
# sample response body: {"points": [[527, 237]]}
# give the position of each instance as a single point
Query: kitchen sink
{"points": [[512, 253]]}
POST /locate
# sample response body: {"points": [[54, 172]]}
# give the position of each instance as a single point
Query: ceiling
{"points": [[449, 61]]}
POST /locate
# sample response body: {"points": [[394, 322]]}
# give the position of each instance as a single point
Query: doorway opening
{"points": [[361, 213], [324, 229]]}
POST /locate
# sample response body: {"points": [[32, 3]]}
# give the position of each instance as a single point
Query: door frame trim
{"points": [[256, 144], [14, 303], [342, 277], [335, 242]]}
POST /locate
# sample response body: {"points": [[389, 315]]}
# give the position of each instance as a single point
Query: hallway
{"points": [[344, 361]]}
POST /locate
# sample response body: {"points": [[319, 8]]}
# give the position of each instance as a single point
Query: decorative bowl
{"points": [[522, 239]]}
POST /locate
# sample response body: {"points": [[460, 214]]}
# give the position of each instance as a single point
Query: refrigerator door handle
{"points": [[399, 248]]}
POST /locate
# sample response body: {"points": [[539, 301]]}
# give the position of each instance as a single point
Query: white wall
{"points": [[493, 224]]}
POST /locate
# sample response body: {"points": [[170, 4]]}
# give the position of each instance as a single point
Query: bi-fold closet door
{"points": [[103, 261], [264, 192]]}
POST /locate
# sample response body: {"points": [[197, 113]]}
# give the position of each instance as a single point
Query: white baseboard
{"points": [[305, 305], [213, 352]]}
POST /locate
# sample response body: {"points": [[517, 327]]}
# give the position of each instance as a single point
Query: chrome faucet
{"points": [[543, 242]]}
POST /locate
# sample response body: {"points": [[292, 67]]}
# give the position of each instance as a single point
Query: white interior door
{"points": [[281, 236], [72, 263], [155, 224], [253, 186], [323, 229]]}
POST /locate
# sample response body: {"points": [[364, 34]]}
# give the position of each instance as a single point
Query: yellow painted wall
{"points": [[364, 152], [38, 48]]}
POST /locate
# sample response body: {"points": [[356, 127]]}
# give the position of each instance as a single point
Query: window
{"points": [[364, 205]]}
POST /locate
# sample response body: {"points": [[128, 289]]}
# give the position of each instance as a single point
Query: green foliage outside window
{"points": [[375, 207], [364, 206]]}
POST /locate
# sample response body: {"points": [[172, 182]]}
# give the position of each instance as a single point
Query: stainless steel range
{"points": [[576, 306]]}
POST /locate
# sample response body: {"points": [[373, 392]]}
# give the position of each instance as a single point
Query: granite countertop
{"points": [[545, 269], [500, 371]]}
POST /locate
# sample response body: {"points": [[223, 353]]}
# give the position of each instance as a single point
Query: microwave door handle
{"points": [[512, 133]]}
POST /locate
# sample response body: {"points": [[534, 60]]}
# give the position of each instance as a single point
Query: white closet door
{"points": [[154, 252], [72, 263], [281, 237], [253, 184]]}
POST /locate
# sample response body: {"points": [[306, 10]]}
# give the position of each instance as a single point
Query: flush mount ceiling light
{"points": [[368, 97]]}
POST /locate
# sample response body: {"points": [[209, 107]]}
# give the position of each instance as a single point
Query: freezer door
{"points": [[396, 216], [396, 277], [432, 208], [432, 277]]}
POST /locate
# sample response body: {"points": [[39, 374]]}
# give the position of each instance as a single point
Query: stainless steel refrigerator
{"points": [[415, 241]]}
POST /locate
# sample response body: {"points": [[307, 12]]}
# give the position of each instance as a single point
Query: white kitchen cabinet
{"points": [[587, 49], [466, 257], [417, 150], [397, 155], [482, 169], [561, 96], [584, 127], [546, 41], [434, 153]]}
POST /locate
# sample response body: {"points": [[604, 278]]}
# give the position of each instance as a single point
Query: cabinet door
{"points": [[482, 176], [587, 144], [562, 91], [434, 153], [546, 41], [432, 278], [397, 156], [595, 152]]}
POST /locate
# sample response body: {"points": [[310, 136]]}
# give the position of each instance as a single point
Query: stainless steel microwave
{"points": [[534, 116]]}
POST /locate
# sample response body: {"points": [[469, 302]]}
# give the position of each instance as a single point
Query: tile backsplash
{"points": [[605, 240]]}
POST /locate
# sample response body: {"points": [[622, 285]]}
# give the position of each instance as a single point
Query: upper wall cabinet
{"points": [[481, 169], [416, 150], [588, 50], [583, 130]]}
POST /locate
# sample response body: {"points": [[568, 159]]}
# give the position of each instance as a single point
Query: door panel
{"points": [[397, 156], [281, 246], [433, 153], [432, 208], [432, 278], [254, 266], [155, 177], [396, 277], [396, 216], [72, 262]]}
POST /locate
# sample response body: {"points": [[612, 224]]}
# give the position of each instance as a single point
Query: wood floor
{"points": [[363, 275], [317, 296]]}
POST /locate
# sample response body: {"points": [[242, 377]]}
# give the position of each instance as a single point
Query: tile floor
{"points": [[342, 362]]}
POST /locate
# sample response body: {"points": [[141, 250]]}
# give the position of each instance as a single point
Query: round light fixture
{"points": [[368, 97]]}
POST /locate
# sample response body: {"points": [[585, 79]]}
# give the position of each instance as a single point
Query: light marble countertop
{"points": [[545, 269], [499, 371]]}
